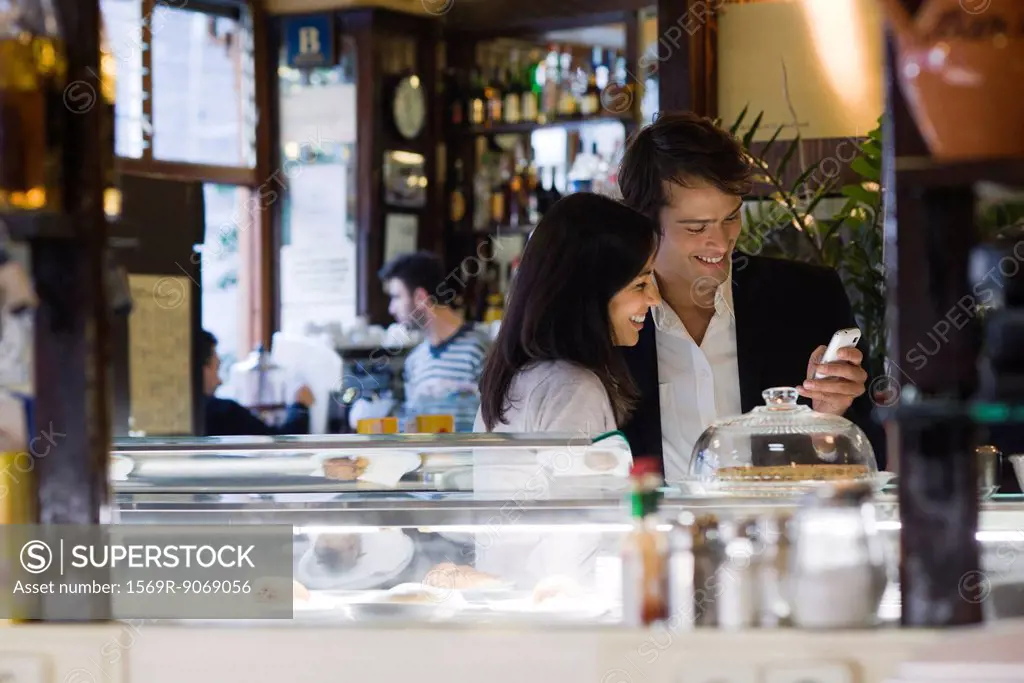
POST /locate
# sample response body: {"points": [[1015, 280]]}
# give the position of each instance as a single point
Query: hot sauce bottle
{"points": [[645, 551]]}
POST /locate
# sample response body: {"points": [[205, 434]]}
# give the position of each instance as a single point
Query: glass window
{"points": [[318, 276], [226, 268], [203, 105], [122, 24]]}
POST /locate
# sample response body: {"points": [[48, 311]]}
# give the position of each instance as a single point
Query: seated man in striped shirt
{"points": [[451, 356]]}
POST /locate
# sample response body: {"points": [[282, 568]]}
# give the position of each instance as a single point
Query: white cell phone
{"points": [[840, 340]]}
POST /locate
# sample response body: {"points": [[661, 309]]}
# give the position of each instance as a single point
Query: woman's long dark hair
{"points": [[584, 251]]}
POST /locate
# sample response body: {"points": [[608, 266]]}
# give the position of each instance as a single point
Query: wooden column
{"points": [[929, 232], [686, 56], [72, 324]]}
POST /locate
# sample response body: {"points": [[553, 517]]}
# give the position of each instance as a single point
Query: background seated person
{"points": [[225, 417], [451, 357]]}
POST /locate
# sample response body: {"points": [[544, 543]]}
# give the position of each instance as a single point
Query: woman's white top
{"points": [[555, 396], [558, 397]]}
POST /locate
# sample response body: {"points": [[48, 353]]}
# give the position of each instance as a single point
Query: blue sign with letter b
{"points": [[310, 40]]}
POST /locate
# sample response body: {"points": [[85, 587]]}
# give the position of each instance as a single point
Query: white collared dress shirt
{"points": [[697, 384]]}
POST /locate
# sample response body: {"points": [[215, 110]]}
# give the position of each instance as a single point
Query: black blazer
{"points": [[784, 310], [225, 417]]}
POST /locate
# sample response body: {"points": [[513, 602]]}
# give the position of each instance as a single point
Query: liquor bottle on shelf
{"points": [[530, 95], [547, 193], [33, 74], [456, 198], [590, 104], [455, 98], [495, 95], [532, 197], [499, 201], [621, 74], [549, 107], [567, 103], [584, 169], [601, 70], [514, 200], [540, 194], [477, 99], [512, 105]]}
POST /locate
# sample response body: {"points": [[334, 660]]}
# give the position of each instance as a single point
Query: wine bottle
{"points": [[549, 108], [33, 74], [456, 99], [532, 195], [591, 105], [567, 103], [512, 104], [495, 96], [477, 99], [456, 197], [528, 109]]}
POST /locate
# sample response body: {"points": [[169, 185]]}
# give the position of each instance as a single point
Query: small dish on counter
{"points": [[412, 601], [355, 561]]}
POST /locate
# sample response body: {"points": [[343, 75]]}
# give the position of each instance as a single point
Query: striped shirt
{"points": [[452, 366]]}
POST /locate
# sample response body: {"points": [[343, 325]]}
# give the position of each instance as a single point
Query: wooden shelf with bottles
{"points": [[526, 127], [497, 93]]}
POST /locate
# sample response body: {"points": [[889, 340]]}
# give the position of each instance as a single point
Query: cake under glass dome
{"points": [[780, 448]]}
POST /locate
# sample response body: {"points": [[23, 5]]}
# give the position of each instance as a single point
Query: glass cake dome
{"points": [[781, 448]]}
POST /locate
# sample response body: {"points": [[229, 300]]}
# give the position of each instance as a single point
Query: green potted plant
{"points": [[813, 219]]}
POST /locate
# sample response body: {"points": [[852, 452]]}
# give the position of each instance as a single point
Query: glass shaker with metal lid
{"points": [[780, 448], [837, 570]]}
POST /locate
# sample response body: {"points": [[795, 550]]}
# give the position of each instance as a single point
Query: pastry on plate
{"points": [[793, 473], [299, 592], [410, 598], [460, 577], [421, 594], [345, 468], [338, 552]]}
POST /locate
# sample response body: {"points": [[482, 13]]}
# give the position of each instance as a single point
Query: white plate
{"points": [[319, 606], [529, 482], [383, 467], [569, 608], [378, 605], [492, 592], [385, 555]]}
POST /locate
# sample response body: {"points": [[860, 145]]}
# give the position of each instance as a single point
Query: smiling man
{"points": [[730, 324]]}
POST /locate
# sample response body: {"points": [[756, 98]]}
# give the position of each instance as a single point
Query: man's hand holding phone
{"points": [[834, 374]]}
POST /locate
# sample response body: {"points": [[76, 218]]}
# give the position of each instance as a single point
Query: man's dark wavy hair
{"points": [[681, 148]]}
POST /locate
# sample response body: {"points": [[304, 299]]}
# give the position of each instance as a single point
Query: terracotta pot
{"points": [[961, 68]]}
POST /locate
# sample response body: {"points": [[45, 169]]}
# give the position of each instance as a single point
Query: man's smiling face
{"points": [[701, 224]]}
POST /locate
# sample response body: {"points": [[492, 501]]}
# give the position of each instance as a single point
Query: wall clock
{"points": [[409, 107]]}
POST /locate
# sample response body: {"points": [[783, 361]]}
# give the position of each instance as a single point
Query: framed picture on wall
{"points": [[405, 179]]}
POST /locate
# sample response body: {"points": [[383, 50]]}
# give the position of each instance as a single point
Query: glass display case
{"points": [[455, 527], [781, 447]]}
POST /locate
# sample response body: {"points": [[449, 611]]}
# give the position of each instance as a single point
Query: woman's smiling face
{"points": [[628, 308]]}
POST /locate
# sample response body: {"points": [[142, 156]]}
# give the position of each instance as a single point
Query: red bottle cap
{"points": [[645, 465]]}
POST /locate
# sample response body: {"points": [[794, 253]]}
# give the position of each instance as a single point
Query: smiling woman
{"points": [[584, 286]]}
